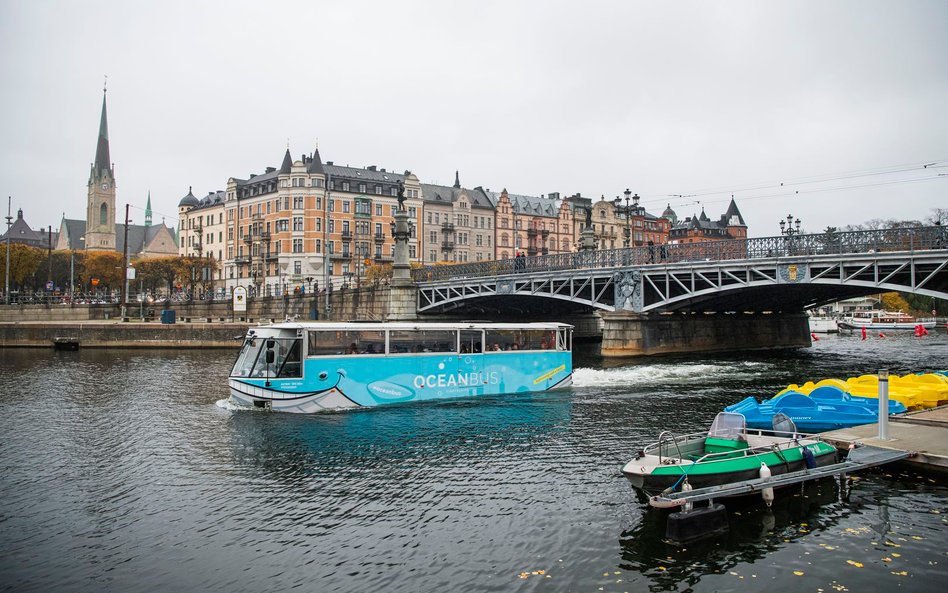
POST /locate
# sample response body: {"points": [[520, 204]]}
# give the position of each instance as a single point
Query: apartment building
{"points": [[458, 223]]}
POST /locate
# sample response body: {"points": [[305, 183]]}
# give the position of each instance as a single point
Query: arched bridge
{"points": [[786, 273]]}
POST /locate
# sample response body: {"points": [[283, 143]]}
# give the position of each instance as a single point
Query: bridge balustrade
{"points": [[879, 240]]}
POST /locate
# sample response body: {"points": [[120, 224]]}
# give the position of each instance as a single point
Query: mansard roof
{"points": [[530, 205], [371, 173], [442, 194]]}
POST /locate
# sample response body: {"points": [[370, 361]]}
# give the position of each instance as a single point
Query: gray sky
{"points": [[697, 99]]}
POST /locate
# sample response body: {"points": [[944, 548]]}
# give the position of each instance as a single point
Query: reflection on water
{"points": [[119, 471]]}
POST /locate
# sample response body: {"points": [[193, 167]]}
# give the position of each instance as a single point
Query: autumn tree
{"points": [[25, 261], [376, 273], [106, 266]]}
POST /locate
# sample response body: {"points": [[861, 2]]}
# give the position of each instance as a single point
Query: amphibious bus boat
{"points": [[311, 367]]}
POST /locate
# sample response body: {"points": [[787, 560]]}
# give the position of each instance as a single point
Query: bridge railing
{"points": [[897, 239]]}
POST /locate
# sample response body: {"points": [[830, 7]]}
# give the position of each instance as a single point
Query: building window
{"points": [[345, 206], [378, 210], [297, 267], [297, 246], [297, 223], [378, 190], [361, 188]]}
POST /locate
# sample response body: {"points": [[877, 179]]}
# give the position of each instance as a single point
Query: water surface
{"points": [[123, 470]]}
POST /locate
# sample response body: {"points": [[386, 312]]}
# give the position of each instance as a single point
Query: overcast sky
{"points": [[682, 102]]}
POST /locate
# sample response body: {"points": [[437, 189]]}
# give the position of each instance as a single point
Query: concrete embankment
{"points": [[116, 334]]}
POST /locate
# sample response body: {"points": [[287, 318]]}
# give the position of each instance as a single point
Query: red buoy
{"points": [[863, 333], [813, 337]]}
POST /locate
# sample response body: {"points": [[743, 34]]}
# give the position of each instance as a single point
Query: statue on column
{"points": [[589, 217], [401, 195]]}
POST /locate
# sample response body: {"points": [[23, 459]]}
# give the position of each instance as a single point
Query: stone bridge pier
{"points": [[641, 334]]}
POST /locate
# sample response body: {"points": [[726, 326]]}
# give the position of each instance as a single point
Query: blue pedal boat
{"points": [[826, 408]]}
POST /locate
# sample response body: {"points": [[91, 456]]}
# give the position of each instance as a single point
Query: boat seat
{"points": [[718, 445]]}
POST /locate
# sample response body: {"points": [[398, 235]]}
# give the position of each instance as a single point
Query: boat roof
{"points": [[411, 325]]}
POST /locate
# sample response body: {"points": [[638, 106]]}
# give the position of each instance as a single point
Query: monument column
{"points": [[403, 306]]}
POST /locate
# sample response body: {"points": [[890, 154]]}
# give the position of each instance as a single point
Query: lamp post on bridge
{"points": [[788, 229], [627, 211]]}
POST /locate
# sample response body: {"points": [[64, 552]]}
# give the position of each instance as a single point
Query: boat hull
{"points": [[850, 326], [340, 384]]}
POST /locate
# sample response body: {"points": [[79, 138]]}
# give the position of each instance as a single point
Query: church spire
{"points": [[102, 160], [148, 210], [457, 181]]}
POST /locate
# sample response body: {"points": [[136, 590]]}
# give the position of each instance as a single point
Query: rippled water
{"points": [[124, 471]]}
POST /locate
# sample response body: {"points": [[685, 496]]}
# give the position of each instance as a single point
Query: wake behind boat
{"points": [[311, 367]]}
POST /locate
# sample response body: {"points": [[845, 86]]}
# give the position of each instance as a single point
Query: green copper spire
{"points": [[148, 210]]}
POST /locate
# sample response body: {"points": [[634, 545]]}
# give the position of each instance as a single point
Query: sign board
{"points": [[130, 273], [240, 300]]}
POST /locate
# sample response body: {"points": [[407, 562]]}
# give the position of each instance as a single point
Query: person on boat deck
{"points": [[352, 349], [495, 347]]}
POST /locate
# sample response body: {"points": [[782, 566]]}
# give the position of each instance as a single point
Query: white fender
{"points": [[686, 487], [767, 493]]}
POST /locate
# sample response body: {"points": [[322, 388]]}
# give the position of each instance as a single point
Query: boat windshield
{"points": [[728, 425], [255, 358]]}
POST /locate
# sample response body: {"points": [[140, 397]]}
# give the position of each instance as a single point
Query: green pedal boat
{"points": [[729, 452]]}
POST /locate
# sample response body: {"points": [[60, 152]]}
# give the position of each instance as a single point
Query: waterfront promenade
{"points": [[114, 333]]}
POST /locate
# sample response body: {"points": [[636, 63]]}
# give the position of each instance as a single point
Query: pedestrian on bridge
{"points": [[651, 252]]}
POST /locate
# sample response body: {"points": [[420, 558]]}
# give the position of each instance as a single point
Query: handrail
{"points": [[778, 247]]}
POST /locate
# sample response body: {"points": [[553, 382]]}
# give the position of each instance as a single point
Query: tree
{"points": [[893, 301], [25, 261], [376, 273], [106, 266]]}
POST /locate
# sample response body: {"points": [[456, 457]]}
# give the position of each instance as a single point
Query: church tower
{"points": [[100, 212]]}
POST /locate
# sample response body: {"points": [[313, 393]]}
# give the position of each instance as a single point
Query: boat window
{"points": [[288, 360], [252, 360], [471, 341], [521, 339], [346, 342], [247, 357], [403, 341]]}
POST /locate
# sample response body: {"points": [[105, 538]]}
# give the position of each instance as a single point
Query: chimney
{"points": [[329, 163], [270, 170], [370, 168]]}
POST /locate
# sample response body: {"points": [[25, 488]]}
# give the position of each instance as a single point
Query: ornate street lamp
{"points": [[787, 227], [628, 210]]}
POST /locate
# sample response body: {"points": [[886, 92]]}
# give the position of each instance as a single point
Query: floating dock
{"points": [[924, 432]]}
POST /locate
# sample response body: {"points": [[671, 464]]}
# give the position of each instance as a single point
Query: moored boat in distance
{"points": [[882, 320], [312, 367]]}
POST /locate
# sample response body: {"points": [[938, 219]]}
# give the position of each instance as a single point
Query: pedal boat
{"points": [[826, 408], [729, 452]]}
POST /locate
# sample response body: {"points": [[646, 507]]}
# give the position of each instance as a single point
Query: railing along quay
{"points": [[898, 239]]}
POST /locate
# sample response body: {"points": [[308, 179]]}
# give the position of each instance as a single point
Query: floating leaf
{"points": [[896, 555], [854, 563], [917, 537], [887, 559], [799, 573]]}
